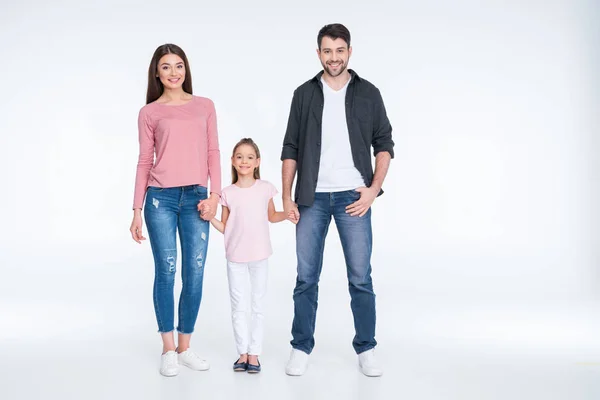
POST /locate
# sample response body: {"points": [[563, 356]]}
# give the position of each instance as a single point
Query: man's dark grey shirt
{"points": [[368, 126]]}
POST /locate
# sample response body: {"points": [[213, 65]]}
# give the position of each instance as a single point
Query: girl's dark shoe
{"points": [[240, 366], [253, 369]]}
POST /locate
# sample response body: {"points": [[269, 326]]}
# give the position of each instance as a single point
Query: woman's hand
{"points": [[208, 207], [136, 226]]}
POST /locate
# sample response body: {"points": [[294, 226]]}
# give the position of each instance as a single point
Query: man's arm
{"points": [[288, 171], [289, 155], [369, 194], [382, 164], [383, 149], [290, 141], [382, 129]]}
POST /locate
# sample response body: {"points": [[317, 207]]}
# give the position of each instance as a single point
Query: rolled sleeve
{"points": [[290, 141], [382, 129]]}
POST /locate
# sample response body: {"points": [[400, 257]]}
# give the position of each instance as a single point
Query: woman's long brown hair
{"points": [[155, 86]]}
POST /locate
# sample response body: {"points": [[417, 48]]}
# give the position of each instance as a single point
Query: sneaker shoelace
{"points": [[368, 359], [295, 357], [171, 360], [193, 354]]}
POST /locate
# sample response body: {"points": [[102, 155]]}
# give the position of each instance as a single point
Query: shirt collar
{"points": [[353, 76]]}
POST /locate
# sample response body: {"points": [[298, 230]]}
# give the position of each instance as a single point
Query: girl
{"points": [[247, 210], [181, 129]]}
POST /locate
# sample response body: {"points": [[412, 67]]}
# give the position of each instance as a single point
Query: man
{"points": [[335, 119]]}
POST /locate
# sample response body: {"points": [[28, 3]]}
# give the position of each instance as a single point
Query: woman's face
{"points": [[171, 71]]}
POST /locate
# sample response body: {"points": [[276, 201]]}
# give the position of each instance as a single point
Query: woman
{"points": [[181, 129]]}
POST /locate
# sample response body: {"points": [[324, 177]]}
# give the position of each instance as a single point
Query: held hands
{"points": [[358, 208], [208, 207], [362, 205], [291, 211]]}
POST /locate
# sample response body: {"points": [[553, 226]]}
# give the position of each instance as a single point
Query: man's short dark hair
{"points": [[334, 31]]}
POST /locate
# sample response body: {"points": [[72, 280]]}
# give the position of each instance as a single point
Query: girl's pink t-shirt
{"points": [[247, 236]]}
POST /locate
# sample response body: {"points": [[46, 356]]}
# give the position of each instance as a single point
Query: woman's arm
{"points": [[220, 225], [145, 157], [214, 157], [275, 216]]}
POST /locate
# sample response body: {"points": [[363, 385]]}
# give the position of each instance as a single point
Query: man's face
{"points": [[334, 55]]}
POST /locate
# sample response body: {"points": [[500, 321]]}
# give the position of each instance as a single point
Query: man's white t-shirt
{"points": [[336, 170]]}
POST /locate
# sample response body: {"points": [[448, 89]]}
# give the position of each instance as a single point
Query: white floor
{"points": [[432, 358], [87, 331], [128, 370]]}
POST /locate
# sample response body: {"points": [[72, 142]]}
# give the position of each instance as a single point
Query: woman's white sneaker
{"points": [[193, 360], [168, 364]]}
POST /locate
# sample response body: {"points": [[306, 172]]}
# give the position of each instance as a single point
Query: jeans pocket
{"points": [[155, 189], [355, 194], [201, 191]]}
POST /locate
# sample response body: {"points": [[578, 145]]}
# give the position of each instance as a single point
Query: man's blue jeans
{"points": [[356, 238]]}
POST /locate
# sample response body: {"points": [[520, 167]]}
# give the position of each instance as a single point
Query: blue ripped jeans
{"points": [[166, 211]]}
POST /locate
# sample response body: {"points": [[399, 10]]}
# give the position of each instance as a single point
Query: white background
{"points": [[485, 262]]}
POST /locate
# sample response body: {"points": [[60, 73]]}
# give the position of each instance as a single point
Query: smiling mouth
{"points": [[174, 80]]}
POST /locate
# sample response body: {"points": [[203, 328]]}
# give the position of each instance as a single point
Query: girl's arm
{"points": [[275, 216], [220, 225]]}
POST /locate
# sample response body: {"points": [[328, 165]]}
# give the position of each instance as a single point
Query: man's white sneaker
{"points": [[297, 364], [168, 364], [193, 360], [368, 364]]}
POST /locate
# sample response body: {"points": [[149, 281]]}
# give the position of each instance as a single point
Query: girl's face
{"points": [[171, 71], [244, 160]]}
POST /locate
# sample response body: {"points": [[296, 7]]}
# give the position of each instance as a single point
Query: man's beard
{"points": [[341, 69]]}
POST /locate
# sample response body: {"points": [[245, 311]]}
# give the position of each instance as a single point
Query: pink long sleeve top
{"points": [[179, 146]]}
